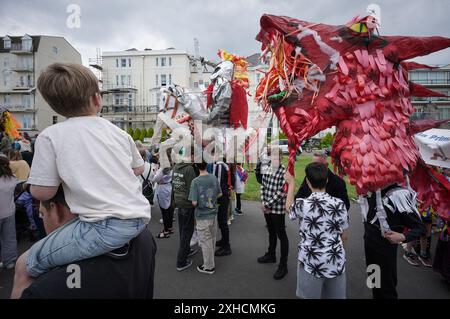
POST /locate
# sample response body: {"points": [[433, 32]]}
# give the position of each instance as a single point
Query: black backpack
{"points": [[147, 188]]}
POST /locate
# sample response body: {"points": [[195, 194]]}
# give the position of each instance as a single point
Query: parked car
{"points": [[283, 145]]}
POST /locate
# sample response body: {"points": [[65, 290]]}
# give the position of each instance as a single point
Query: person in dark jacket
{"points": [[183, 175], [397, 208], [336, 186], [226, 179]]}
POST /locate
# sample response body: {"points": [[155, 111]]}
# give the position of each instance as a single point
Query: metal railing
{"points": [[20, 67], [18, 47], [432, 82], [18, 108]]}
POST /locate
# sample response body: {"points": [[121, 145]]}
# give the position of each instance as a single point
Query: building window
{"points": [[170, 79], [170, 61], [27, 121], [163, 80], [156, 80], [55, 119], [117, 63], [117, 80], [26, 101], [157, 61], [123, 62], [123, 79], [129, 80], [129, 63], [195, 84], [7, 79], [55, 50], [130, 99], [26, 43], [7, 100], [163, 61], [7, 43], [6, 62]]}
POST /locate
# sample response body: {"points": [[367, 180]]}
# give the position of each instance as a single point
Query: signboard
{"points": [[434, 146]]}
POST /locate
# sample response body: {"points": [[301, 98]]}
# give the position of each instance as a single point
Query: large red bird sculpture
{"points": [[349, 77]]}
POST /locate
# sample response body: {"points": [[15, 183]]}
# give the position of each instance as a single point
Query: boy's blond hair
{"points": [[68, 88]]}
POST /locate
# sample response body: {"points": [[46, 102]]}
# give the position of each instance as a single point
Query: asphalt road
{"points": [[240, 276]]}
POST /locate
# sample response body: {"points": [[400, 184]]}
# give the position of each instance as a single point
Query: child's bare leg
{"points": [[21, 277]]}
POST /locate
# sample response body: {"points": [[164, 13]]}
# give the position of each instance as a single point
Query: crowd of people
{"points": [[96, 187]]}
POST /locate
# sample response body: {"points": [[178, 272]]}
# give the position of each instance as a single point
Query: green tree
{"points": [[143, 133], [150, 132], [326, 141], [130, 131], [137, 134], [163, 135]]}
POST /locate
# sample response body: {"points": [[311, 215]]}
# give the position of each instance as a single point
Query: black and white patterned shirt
{"points": [[273, 195], [322, 219]]}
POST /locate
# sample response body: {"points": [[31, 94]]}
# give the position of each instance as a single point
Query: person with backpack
{"points": [[145, 178]]}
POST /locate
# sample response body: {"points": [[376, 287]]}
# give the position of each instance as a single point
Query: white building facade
{"points": [[131, 82]]}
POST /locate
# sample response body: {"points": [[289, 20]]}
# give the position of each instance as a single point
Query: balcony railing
{"points": [[23, 86], [19, 48], [112, 88], [432, 82], [19, 108], [22, 68], [121, 109], [427, 116]]}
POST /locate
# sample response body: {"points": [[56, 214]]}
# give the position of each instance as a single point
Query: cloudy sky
{"points": [[118, 25]]}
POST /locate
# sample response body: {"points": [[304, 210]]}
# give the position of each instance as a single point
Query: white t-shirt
{"points": [[93, 159]]}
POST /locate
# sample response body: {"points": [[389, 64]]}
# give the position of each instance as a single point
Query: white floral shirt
{"points": [[322, 219]]}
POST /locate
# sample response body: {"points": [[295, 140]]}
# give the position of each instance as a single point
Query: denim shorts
{"points": [[79, 240]]}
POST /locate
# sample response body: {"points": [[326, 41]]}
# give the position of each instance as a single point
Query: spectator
{"points": [[273, 198], [226, 179], [163, 195], [25, 148], [380, 242], [240, 180], [110, 207], [336, 186], [183, 175], [145, 178], [8, 242], [5, 145], [441, 263], [21, 171], [19, 167], [323, 221], [205, 190], [126, 272]]}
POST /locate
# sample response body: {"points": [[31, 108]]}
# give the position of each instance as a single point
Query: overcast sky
{"points": [[119, 25]]}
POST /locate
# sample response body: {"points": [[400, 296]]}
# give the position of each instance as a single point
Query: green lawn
{"points": [[252, 186]]}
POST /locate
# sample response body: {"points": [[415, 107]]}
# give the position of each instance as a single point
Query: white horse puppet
{"points": [[216, 118]]}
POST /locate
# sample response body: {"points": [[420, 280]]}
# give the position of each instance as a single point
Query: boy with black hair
{"points": [[323, 221], [205, 190]]}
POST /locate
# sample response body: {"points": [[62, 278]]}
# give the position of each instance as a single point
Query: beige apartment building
{"points": [[22, 59]]}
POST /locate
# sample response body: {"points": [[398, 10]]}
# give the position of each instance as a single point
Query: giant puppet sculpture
{"points": [[8, 124], [350, 77], [223, 105]]}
